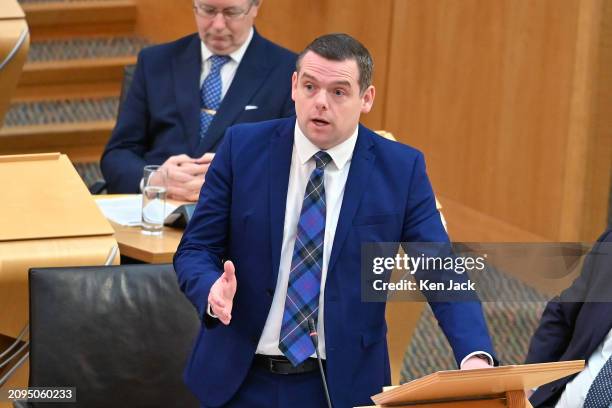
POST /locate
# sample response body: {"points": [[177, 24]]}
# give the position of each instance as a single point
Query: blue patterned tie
{"points": [[302, 302], [210, 94], [600, 393]]}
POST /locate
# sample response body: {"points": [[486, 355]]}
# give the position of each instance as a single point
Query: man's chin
{"points": [[320, 136], [219, 47]]}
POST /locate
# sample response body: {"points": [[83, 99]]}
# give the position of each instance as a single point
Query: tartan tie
{"points": [[210, 94], [302, 302], [600, 393]]}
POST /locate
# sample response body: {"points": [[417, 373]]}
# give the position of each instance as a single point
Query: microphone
{"points": [[315, 342]]}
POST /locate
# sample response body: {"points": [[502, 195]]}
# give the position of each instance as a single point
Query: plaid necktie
{"points": [[302, 302], [210, 94], [600, 393]]}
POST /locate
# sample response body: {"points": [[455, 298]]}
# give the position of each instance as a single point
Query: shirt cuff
{"points": [[210, 312], [476, 353]]}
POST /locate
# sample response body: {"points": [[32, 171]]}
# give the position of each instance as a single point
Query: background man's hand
{"points": [[221, 296], [186, 176]]}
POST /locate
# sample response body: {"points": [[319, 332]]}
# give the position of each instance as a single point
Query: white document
{"points": [[126, 211]]}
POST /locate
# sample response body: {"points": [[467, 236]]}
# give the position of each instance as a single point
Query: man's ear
{"points": [[256, 7], [367, 99], [294, 79]]}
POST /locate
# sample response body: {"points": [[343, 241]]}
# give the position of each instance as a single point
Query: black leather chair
{"points": [[120, 335]]}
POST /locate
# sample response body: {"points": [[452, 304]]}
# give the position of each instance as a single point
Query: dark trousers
{"points": [[263, 389]]}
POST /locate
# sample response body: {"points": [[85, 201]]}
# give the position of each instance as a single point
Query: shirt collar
{"points": [[235, 56], [340, 154]]}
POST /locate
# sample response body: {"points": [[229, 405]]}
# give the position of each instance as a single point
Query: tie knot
{"points": [[321, 159], [217, 61]]}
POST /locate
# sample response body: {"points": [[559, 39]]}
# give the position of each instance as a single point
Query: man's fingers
{"points": [[174, 191], [206, 158], [220, 309], [222, 315], [178, 159], [178, 175], [194, 169], [225, 319], [217, 303]]}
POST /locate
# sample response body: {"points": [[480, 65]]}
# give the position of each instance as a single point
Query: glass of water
{"points": [[153, 199]]}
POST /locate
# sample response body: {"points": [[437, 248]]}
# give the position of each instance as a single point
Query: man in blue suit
{"points": [[275, 243], [186, 93]]}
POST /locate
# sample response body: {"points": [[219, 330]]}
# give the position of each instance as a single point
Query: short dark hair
{"points": [[341, 47]]}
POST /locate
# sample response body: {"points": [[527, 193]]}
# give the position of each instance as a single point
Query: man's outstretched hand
{"points": [[221, 295]]}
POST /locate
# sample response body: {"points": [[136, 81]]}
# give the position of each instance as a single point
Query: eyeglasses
{"points": [[229, 14]]}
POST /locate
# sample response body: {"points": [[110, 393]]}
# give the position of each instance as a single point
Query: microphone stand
{"points": [[315, 341]]}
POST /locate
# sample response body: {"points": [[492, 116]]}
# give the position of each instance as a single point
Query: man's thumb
{"points": [[229, 270]]}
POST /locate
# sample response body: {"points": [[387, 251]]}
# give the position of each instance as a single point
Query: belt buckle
{"points": [[272, 366]]}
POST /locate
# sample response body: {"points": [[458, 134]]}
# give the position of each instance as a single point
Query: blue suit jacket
{"points": [[240, 216], [571, 330], [161, 114]]}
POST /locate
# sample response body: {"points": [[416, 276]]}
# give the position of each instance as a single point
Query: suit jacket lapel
{"points": [[362, 164], [186, 68], [281, 147], [250, 75]]}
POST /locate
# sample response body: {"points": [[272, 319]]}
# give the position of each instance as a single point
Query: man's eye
{"points": [[232, 13], [339, 92], [309, 87]]}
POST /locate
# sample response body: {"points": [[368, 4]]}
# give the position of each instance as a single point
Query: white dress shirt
{"points": [[334, 179], [576, 390], [228, 70]]}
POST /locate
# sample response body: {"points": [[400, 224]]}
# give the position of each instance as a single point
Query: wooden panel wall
{"points": [[162, 20], [498, 96], [596, 181], [509, 99]]}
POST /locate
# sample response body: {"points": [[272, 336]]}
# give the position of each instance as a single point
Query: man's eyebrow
{"points": [[308, 76], [336, 83]]}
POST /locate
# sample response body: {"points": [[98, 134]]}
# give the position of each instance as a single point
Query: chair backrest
{"points": [[121, 335], [99, 186], [128, 76]]}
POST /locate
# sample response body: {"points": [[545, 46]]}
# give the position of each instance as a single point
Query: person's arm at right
{"points": [[198, 261], [122, 161], [556, 328]]}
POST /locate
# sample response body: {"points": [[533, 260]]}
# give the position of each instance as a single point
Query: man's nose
{"points": [[321, 100], [218, 21]]}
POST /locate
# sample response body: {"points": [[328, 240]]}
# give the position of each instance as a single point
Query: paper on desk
{"points": [[126, 211]]}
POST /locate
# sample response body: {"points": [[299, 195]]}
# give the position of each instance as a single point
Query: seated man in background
{"points": [[577, 325], [186, 93]]}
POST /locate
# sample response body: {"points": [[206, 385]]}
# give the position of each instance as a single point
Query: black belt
{"points": [[282, 365]]}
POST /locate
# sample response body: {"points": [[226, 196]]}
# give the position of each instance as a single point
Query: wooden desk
{"points": [[145, 248]]}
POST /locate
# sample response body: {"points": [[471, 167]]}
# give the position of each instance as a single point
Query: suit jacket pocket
{"points": [[375, 219]]}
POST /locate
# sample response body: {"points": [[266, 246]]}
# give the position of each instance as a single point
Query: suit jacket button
{"points": [[270, 292], [255, 340]]}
